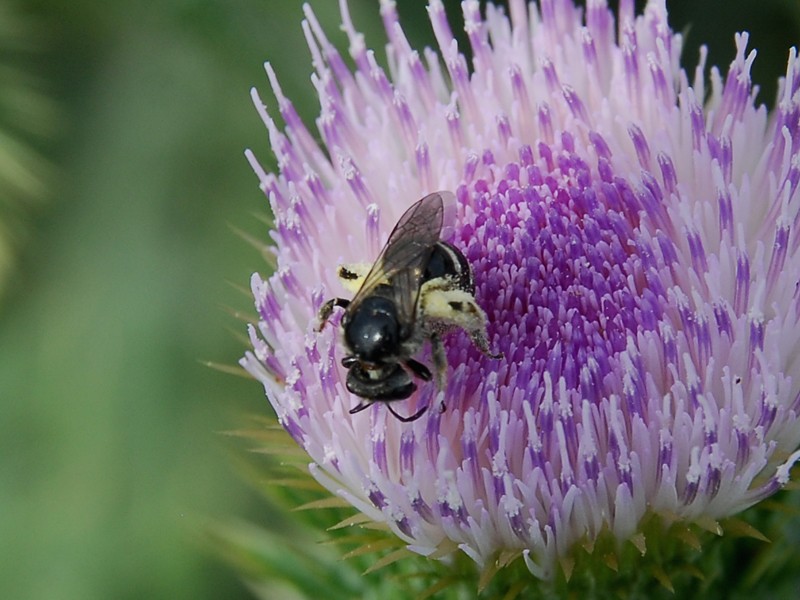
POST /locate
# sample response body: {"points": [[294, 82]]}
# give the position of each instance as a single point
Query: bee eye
{"points": [[372, 331]]}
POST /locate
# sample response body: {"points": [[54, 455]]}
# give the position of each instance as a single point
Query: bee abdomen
{"points": [[447, 261]]}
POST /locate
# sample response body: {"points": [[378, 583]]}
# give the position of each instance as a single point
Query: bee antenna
{"points": [[359, 407], [413, 417]]}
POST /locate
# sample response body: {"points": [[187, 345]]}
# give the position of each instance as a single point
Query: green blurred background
{"points": [[125, 125]]}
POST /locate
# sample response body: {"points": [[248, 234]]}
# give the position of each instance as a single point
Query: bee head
{"points": [[389, 383], [372, 330]]}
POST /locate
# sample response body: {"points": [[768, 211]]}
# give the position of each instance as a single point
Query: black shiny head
{"points": [[372, 331], [389, 383]]}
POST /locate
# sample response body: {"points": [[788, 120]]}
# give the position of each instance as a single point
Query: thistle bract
{"points": [[633, 232]]}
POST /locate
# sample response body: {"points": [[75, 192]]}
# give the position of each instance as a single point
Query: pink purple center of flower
{"points": [[562, 271]]}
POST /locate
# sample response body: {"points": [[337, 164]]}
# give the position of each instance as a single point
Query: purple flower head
{"points": [[634, 247]]}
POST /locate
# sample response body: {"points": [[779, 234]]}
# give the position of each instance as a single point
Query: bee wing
{"points": [[402, 261]]}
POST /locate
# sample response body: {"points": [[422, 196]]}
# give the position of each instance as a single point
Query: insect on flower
{"points": [[419, 287]]}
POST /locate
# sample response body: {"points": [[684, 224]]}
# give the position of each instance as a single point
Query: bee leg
{"points": [[418, 369], [478, 337], [413, 417], [359, 407], [457, 308], [440, 367], [439, 361], [349, 361], [327, 308], [472, 319]]}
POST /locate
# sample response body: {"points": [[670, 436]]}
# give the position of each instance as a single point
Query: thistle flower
{"points": [[633, 232]]}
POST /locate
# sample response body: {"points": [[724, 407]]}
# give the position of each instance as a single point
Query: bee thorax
{"points": [[372, 331]]}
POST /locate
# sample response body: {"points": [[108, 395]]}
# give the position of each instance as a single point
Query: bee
{"points": [[418, 288]]}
